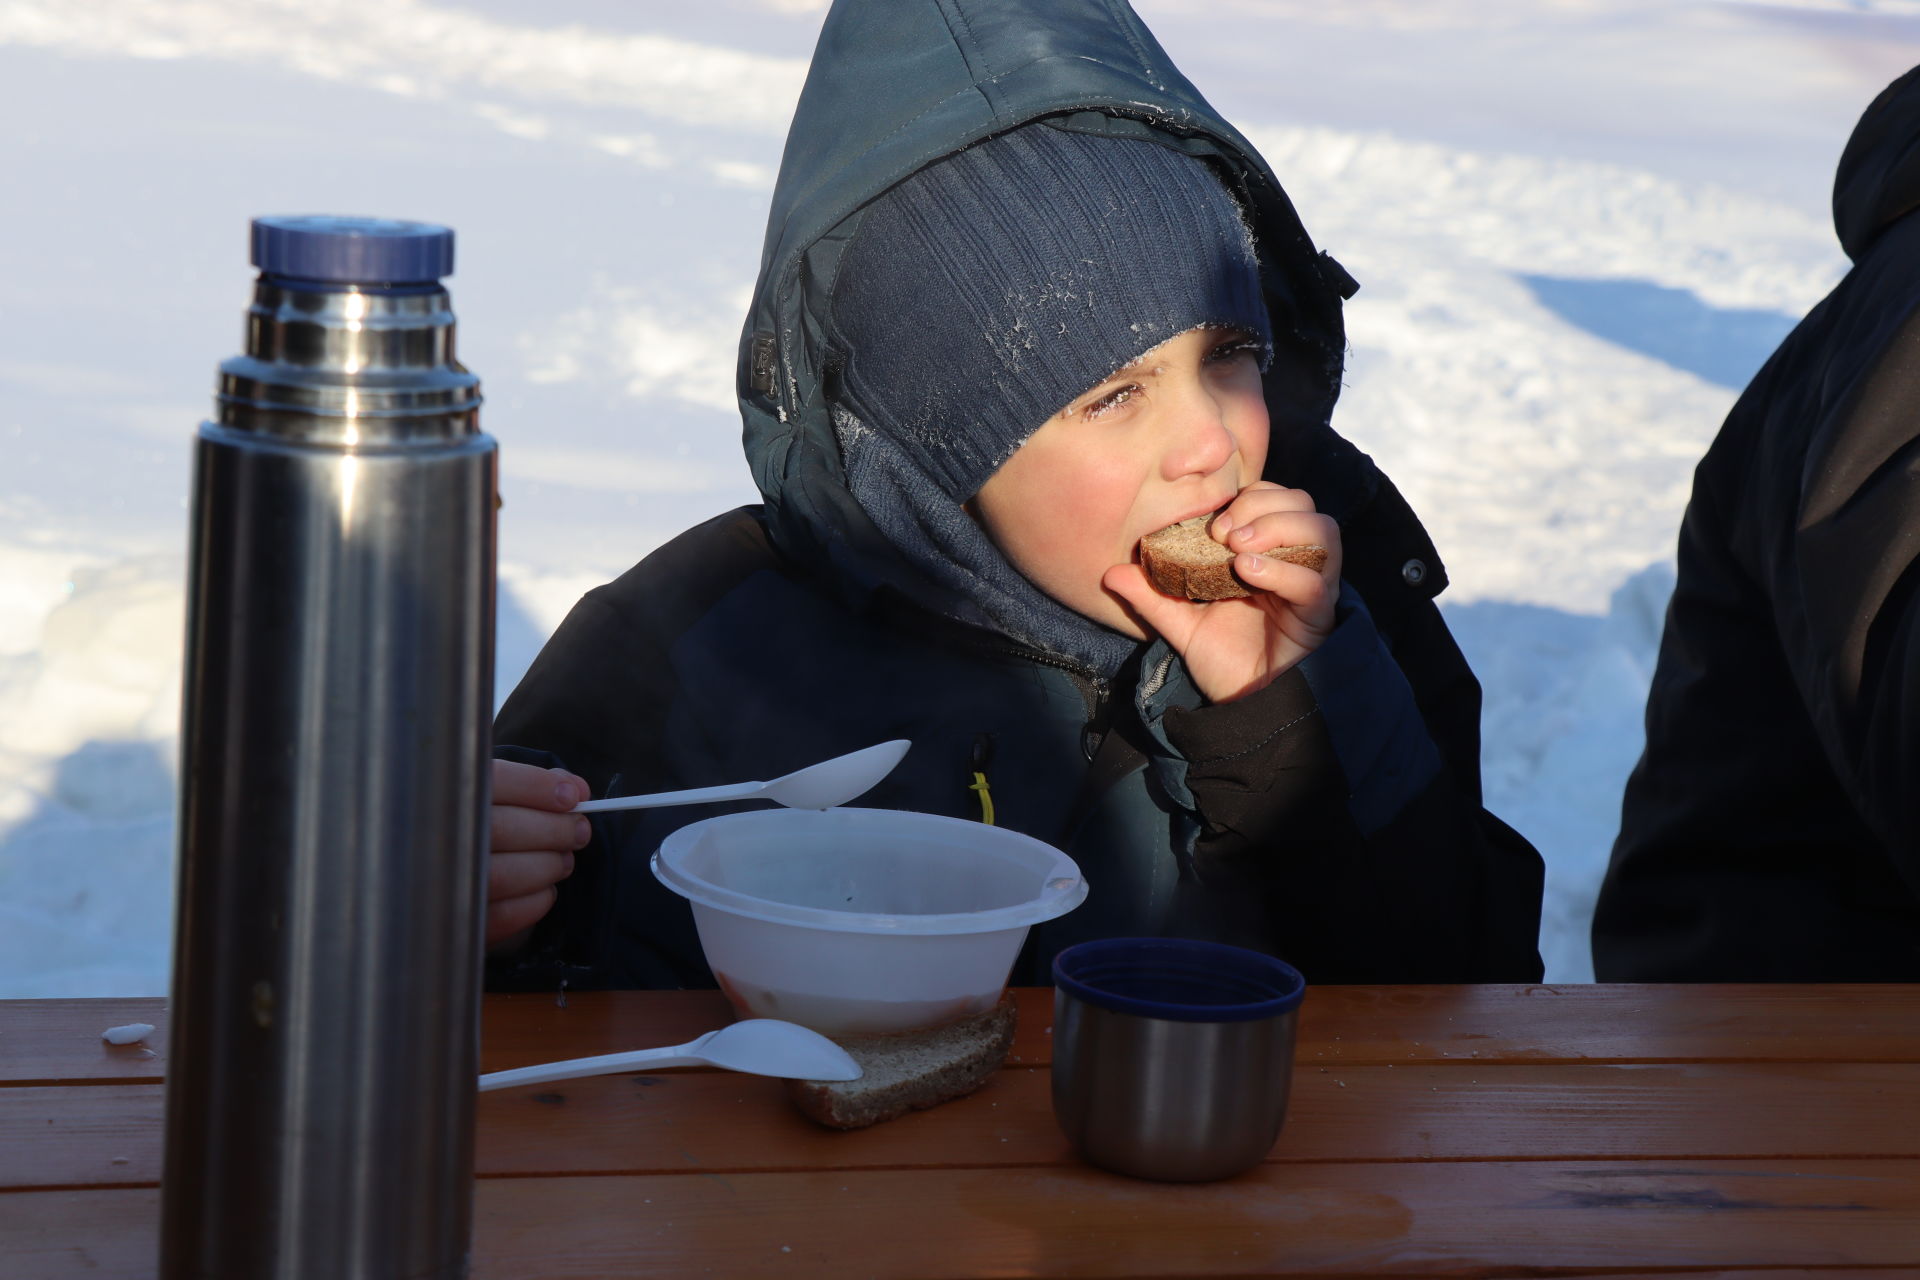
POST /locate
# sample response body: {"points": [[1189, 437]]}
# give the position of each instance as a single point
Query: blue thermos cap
{"points": [[352, 250]]}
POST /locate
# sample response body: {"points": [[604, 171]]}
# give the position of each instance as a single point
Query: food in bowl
{"points": [[812, 1009]]}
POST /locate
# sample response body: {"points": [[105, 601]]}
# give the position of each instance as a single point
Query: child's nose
{"points": [[1201, 441]]}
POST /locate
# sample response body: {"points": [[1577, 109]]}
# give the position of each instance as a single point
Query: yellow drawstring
{"points": [[986, 797]]}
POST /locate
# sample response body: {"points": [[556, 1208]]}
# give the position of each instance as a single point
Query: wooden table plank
{"points": [[1534, 1218], [49, 1041], [43, 1041], [101, 1235], [99, 1135], [522, 1029], [1755, 1022], [1406, 1219], [1442, 1024], [1604, 1112], [666, 1122], [58, 1041]]}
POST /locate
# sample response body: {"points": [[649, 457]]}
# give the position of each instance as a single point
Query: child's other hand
{"points": [[1235, 647], [532, 842]]}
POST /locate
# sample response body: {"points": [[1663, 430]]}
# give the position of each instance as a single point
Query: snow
{"points": [[1578, 224]]}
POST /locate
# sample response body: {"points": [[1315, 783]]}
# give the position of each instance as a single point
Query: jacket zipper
{"points": [[1096, 690]]}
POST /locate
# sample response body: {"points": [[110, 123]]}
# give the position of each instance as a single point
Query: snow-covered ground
{"points": [[1579, 225]]}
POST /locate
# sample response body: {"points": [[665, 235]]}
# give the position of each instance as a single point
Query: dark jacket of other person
{"points": [[1771, 830]]}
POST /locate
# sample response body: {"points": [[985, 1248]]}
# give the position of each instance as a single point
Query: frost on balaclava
{"points": [[983, 294]]}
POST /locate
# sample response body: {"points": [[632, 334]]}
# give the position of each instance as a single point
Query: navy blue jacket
{"points": [[1333, 818]]}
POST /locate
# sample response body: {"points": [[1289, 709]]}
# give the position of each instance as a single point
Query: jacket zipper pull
{"points": [[1095, 729], [982, 757]]}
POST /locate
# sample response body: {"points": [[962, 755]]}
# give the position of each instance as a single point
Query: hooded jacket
{"points": [[1334, 817], [1771, 830]]}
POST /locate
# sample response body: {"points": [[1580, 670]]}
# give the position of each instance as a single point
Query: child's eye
{"points": [[1112, 400]]}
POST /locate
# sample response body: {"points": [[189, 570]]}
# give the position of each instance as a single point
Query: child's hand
{"points": [[1235, 647], [532, 843]]}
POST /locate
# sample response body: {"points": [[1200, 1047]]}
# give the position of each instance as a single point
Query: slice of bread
{"points": [[909, 1070], [1184, 560]]}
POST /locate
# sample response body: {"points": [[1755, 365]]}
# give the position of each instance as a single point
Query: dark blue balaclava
{"points": [[983, 294]]}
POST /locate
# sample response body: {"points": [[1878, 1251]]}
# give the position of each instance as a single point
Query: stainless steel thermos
{"points": [[338, 691]]}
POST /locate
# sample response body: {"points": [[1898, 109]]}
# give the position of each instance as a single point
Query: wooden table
{"points": [[1735, 1130]]}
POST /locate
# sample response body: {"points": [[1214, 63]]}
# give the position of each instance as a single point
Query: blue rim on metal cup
{"points": [[1179, 979]]}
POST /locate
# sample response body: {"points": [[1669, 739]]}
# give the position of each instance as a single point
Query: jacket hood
{"points": [[894, 86], [1879, 175]]}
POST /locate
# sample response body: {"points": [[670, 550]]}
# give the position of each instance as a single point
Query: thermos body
{"points": [[338, 692]]}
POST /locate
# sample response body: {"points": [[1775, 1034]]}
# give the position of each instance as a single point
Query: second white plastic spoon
{"points": [[758, 1046]]}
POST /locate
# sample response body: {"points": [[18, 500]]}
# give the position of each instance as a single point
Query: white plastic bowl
{"points": [[850, 920]]}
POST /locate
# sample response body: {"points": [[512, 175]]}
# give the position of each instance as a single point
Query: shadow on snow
{"points": [[1722, 345]]}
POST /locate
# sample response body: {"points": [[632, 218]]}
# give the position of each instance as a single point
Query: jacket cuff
{"points": [[1238, 742]]}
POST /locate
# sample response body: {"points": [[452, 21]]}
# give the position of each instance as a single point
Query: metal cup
{"points": [[1171, 1057]]}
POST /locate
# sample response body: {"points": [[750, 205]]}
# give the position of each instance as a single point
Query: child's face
{"points": [[1178, 432]]}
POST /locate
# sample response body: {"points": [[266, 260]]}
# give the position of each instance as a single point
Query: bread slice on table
{"points": [[909, 1070], [1184, 560]]}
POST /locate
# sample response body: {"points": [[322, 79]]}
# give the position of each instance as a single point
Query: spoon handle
{"points": [[699, 795], [573, 1068]]}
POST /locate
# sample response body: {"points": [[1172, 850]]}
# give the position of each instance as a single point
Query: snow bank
{"points": [[412, 49], [1492, 410], [88, 714], [1561, 721]]}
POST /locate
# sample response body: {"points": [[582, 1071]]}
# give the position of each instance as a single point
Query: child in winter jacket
{"points": [[1024, 300]]}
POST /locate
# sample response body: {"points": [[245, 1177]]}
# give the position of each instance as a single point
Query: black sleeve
{"points": [[595, 702], [1847, 581], [1441, 891], [587, 704]]}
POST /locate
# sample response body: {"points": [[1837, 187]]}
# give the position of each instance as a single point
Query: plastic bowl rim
{"points": [[1057, 899]]}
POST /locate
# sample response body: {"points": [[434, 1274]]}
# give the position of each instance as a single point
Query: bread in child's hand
{"points": [[909, 1070], [1184, 560]]}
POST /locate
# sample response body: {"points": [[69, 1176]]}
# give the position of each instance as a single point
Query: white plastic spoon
{"points": [[758, 1046], [818, 786]]}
